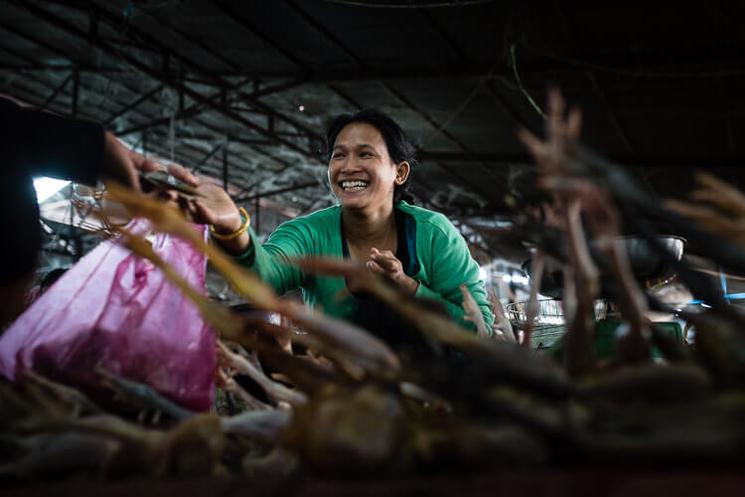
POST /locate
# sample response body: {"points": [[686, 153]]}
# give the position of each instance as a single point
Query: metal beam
{"points": [[57, 91], [183, 113], [615, 124], [142, 98], [570, 30], [270, 193], [160, 138], [217, 136], [155, 74], [293, 83], [196, 67], [240, 19], [438, 28], [35, 39], [319, 27], [225, 172], [508, 108], [257, 215], [40, 67], [249, 142], [656, 68], [208, 156], [497, 158], [75, 94], [188, 112], [146, 144], [162, 152], [189, 38], [628, 160]]}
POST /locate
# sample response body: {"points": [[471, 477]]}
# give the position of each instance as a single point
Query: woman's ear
{"points": [[402, 172]]}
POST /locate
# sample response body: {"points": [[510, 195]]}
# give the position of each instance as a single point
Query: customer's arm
{"points": [[38, 143]]}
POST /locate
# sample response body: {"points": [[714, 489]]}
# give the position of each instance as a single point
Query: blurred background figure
{"points": [[38, 143]]}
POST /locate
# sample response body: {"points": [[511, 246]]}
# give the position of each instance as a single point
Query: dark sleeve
{"points": [[38, 143]]}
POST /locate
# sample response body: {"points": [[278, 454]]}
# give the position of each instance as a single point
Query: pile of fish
{"points": [[410, 392]]}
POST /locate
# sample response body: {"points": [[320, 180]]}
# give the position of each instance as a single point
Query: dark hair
{"points": [[400, 148]]}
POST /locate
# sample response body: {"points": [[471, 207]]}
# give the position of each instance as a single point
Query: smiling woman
{"points": [[370, 161]]}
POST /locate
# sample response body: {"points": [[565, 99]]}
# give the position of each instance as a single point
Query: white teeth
{"points": [[354, 186]]}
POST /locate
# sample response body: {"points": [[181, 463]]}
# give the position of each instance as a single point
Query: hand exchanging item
{"points": [[385, 262], [122, 164], [212, 205]]}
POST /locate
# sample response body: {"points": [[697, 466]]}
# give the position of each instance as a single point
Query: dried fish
{"points": [[273, 389], [502, 327], [649, 383], [80, 404], [473, 313], [474, 446], [57, 455], [143, 395], [361, 431], [192, 449], [266, 426]]}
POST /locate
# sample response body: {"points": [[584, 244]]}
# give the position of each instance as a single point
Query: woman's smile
{"points": [[353, 186]]}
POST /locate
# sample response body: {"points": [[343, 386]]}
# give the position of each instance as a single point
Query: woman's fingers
{"points": [[375, 267], [386, 260]]}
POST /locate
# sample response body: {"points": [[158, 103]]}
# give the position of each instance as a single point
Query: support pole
{"points": [[225, 178], [75, 92], [257, 215]]}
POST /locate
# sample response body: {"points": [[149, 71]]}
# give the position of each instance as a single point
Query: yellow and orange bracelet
{"points": [[232, 236]]}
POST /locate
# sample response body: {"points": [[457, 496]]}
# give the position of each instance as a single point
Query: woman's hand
{"points": [[385, 262], [213, 206]]}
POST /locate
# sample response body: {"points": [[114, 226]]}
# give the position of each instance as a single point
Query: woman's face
{"points": [[361, 173]]}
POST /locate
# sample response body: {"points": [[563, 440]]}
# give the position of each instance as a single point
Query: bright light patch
{"points": [[483, 274], [46, 187]]}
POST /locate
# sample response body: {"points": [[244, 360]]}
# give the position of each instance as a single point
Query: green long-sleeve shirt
{"points": [[434, 253]]}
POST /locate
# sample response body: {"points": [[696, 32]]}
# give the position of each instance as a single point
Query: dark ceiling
{"points": [[240, 90]]}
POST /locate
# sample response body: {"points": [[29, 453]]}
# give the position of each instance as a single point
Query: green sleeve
{"points": [[270, 260], [452, 266]]}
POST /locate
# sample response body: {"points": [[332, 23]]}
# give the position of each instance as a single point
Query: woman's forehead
{"points": [[358, 134]]}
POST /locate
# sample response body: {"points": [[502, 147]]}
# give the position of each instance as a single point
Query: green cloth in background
{"points": [[605, 338]]}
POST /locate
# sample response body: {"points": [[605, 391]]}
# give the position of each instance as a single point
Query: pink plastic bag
{"points": [[117, 311]]}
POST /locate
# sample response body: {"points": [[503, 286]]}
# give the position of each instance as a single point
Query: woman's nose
{"points": [[349, 164]]}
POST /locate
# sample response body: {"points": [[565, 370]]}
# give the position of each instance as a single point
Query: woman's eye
{"points": [[365, 154], [337, 156]]}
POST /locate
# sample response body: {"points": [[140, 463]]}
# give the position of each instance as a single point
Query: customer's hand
{"points": [[385, 262], [123, 164]]}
